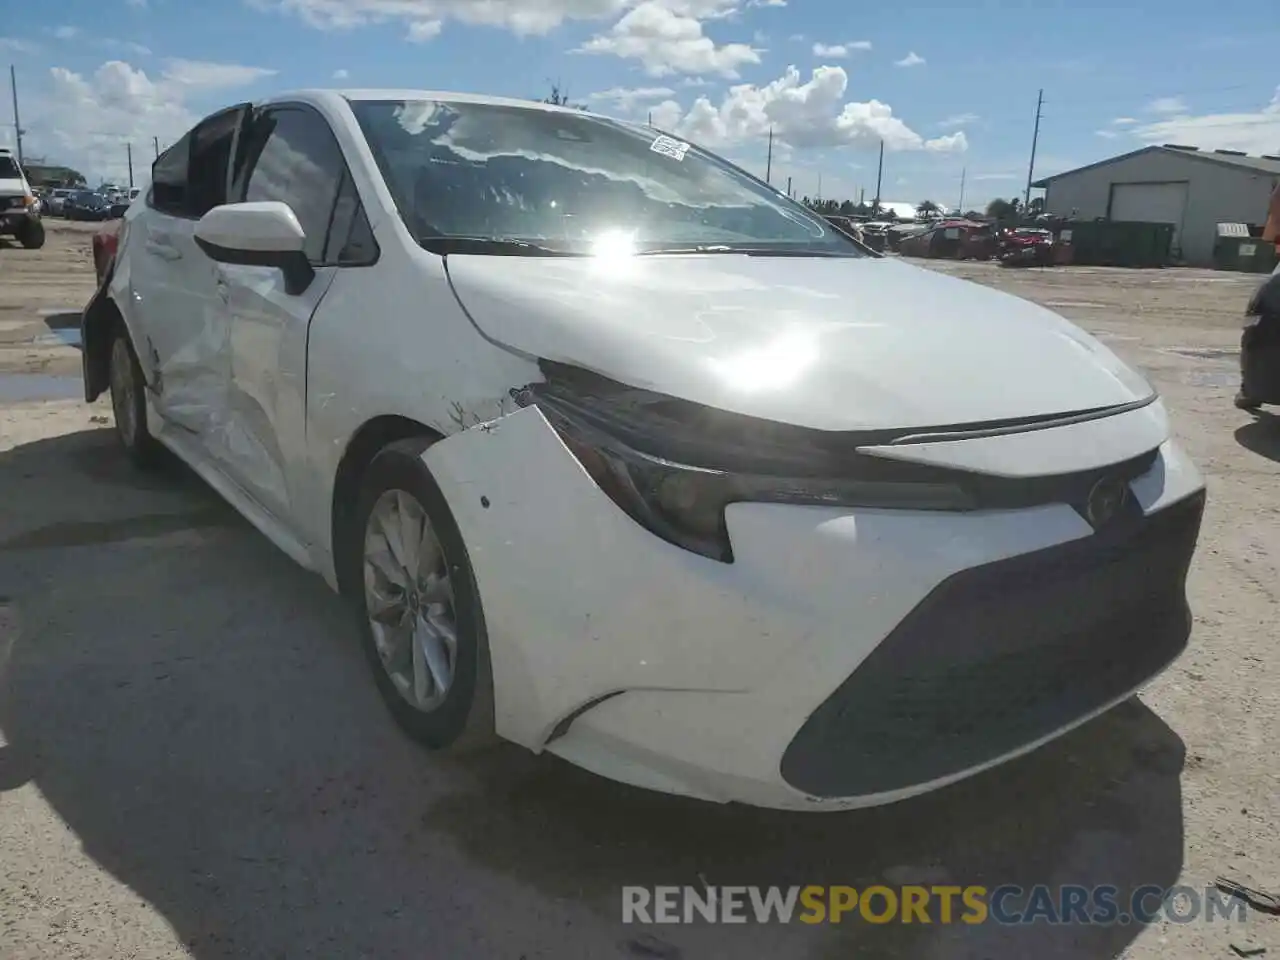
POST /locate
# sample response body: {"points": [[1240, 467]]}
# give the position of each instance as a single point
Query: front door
{"points": [[289, 154]]}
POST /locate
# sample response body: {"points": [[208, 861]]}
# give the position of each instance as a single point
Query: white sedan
{"points": [[623, 455]]}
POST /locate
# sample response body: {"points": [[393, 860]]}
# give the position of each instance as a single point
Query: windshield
{"points": [[569, 182], [9, 169]]}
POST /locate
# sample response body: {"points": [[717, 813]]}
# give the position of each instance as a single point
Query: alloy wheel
{"points": [[409, 600]]}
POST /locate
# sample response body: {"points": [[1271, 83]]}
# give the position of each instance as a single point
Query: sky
{"points": [[949, 88]]}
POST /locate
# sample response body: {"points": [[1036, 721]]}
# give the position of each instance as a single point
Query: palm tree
{"points": [[927, 208]]}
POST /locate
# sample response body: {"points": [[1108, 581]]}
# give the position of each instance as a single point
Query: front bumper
{"points": [[846, 658]]}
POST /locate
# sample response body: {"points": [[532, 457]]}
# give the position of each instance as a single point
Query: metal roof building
{"points": [[1192, 189]]}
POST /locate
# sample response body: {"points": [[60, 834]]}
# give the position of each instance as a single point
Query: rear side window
{"points": [[210, 156], [292, 156], [169, 179], [190, 178]]}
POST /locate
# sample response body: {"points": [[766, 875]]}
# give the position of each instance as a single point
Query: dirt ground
{"points": [[193, 761]]}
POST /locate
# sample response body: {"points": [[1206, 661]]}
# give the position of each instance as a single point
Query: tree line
{"points": [[997, 209]]}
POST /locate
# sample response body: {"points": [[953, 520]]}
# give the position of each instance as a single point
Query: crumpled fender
{"points": [[530, 516]]}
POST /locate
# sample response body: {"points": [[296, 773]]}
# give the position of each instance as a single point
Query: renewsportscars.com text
{"points": [[938, 904]]}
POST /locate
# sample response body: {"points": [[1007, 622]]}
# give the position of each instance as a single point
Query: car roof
{"points": [[444, 96]]}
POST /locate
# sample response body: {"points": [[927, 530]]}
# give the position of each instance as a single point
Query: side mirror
{"points": [[264, 233]]}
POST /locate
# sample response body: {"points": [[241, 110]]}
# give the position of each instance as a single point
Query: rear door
{"points": [[183, 335], [290, 155]]}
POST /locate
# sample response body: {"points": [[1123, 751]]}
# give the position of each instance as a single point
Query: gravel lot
{"points": [[193, 761]]}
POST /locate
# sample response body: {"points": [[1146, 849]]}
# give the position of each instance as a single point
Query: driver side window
{"points": [[291, 155]]}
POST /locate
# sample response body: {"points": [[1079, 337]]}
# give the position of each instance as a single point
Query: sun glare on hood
{"points": [[777, 364]]}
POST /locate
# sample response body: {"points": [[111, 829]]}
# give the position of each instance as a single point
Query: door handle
{"points": [[163, 250]]}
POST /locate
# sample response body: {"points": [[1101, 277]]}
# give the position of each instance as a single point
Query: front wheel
{"points": [[129, 404], [419, 608], [31, 235]]}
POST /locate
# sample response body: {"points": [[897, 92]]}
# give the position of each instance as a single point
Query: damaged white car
{"points": [[622, 455]]}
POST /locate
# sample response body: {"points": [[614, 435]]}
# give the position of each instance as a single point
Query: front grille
{"points": [[11, 203], [1001, 655]]}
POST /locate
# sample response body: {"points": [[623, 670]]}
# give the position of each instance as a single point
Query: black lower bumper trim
{"points": [[1002, 655]]}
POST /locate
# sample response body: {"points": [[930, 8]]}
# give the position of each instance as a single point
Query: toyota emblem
{"points": [[1105, 501]]}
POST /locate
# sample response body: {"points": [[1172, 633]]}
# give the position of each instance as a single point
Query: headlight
{"points": [[684, 503]]}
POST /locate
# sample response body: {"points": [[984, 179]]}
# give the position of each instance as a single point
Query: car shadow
{"points": [[1261, 435], [194, 707]]}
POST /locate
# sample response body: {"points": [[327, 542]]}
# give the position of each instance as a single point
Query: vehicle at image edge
{"points": [[19, 208], [620, 454], [104, 244], [1260, 347]]}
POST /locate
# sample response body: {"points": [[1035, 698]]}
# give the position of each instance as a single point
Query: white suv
{"points": [[623, 455], [19, 207]]}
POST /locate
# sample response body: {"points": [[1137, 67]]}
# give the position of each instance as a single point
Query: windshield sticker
{"points": [[669, 147]]}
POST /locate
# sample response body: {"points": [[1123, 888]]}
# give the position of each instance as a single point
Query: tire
{"points": [[31, 235], [462, 720], [128, 402]]}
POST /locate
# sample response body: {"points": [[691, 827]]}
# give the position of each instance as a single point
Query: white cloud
{"points": [[626, 99], [766, 3], [1123, 121], [208, 75], [423, 30], [666, 37], [912, 59], [958, 120], [85, 121], [17, 45], [834, 50], [66, 32], [1167, 105], [804, 114], [520, 16], [341, 74], [994, 176], [1255, 132]]}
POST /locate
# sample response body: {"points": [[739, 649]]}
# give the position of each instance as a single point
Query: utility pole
{"points": [[768, 169], [819, 198], [879, 177], [17, 120], [128, 147], [960, 206], [1035, 138], [788, 186], [156, 142]]}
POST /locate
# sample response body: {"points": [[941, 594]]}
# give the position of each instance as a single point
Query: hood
{"points": [[12, 187], [831, 344]]}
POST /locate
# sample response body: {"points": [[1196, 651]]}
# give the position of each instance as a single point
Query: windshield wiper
{"points": [[492, 247]]}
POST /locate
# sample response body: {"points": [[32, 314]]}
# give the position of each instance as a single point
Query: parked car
{"points": [[1031, 247], [56, 200], [86, 205], [952, 240], [620, 454], [19, 208]]}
